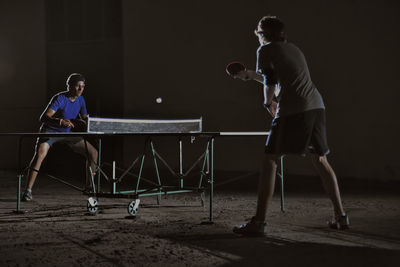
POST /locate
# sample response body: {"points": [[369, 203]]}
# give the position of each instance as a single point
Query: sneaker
{"points": [[252, 229], [341, 222], [27, 196]]}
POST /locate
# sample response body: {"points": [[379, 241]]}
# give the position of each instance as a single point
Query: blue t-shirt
{"points": [[65, 109]]}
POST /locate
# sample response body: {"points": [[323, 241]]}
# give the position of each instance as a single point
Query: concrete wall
{"points": [[178, 50], [22, 72]]}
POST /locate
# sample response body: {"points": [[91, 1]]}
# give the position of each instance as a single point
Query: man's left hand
{"points": [[244, 75]]}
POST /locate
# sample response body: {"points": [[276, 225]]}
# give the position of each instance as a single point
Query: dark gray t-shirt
{"points": [[284, 63]]}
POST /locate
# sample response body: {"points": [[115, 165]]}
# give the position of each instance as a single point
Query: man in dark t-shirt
{"points": [[58, 116], [284, 63], [299, 120]]}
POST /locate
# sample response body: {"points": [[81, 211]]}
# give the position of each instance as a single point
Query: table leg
{"points": [[212, 180]]}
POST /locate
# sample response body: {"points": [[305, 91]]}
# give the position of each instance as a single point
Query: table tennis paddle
{"points": [[234, 68], [79, 125]]}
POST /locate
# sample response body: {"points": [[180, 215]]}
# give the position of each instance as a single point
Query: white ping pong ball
{"points": [[159, 100]]}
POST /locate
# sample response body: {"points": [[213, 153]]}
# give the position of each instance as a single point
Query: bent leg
{"points": [[41, 151], [266, 185], [90, 154], [329, 181]]}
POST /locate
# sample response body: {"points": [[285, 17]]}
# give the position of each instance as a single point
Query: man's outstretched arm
{"points": [[248, 75], [49, 119]]}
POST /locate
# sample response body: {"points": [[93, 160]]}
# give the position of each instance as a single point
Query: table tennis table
{"points": [[99, 128]]}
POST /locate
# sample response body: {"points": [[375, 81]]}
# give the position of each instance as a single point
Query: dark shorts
{"points": [[51, 140], [298, 134]]}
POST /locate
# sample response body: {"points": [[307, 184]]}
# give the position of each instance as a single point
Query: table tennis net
{"points": [[112, 125]]}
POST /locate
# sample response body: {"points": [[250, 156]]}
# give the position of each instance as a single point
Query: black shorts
{"points": [[298, 134]]}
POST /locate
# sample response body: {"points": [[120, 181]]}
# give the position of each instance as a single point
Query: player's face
{"points": [[77, 88], [261, 38]]}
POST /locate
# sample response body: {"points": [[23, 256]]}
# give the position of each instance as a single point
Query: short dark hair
{"points": [[74, 78], [272, 28]]}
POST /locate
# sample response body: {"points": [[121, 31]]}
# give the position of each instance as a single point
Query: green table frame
{"points": [[206, 159]]}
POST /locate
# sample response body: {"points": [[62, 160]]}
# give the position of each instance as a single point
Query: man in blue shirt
{"points": [[299, 120], [58, 116]]}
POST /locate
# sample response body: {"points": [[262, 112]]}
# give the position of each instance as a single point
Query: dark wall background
{"points": [[22, 72], [178, 50], [85, 36]]}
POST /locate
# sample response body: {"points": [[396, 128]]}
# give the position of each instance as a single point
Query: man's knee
{"points": [[269, 165], [317, 159], [42, 150], [94, 153], [272, 158]]}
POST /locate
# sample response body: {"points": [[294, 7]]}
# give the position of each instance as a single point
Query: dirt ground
{"points": [[56, 230]]}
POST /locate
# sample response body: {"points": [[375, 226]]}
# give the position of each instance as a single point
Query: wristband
{"points": [[61, 122]]}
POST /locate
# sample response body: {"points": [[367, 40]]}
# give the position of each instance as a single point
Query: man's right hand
{"points": [[247, 75], [66, 123], [244, 75]]}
